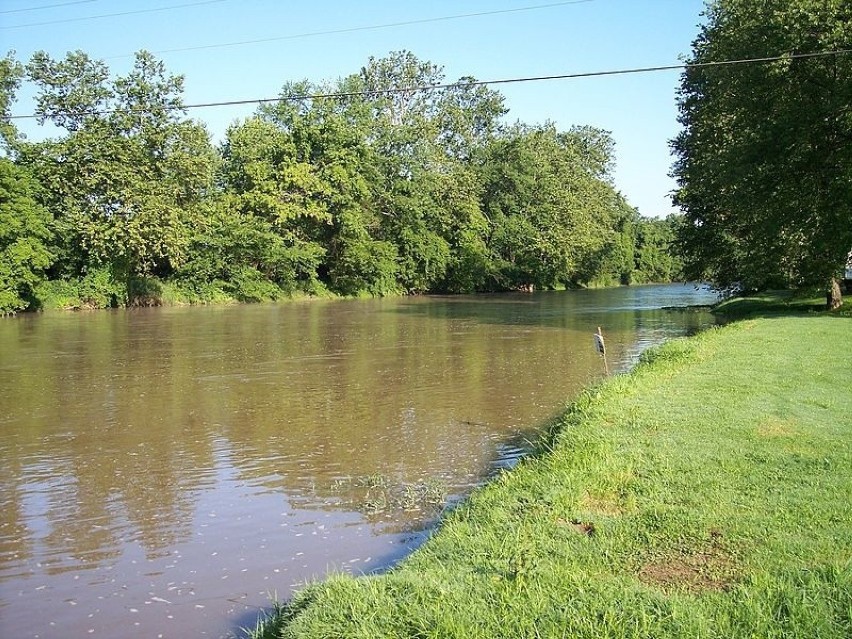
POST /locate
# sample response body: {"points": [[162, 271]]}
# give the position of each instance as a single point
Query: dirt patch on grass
{"points": [[606, 505], [689, 572], [582, 527], [776, 427], [709, 569]]}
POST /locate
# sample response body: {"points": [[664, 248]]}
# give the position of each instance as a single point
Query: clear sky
{"points": [[326, 39]]}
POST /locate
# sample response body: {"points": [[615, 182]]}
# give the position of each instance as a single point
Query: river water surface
{"points": [[165, 470]]}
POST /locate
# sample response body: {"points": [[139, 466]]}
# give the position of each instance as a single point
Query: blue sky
{"points": [[546, 38]]}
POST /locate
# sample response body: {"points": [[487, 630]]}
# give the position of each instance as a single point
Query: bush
{"points": [[248, 285], [182, 293], [58, 294], [144, 291], [96, 290]]}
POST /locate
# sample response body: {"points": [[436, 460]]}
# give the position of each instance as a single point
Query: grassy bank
{"points": [[779, 303], [706, 494]]}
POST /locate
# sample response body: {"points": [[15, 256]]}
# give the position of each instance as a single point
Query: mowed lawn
{"points": [[706, 494]]}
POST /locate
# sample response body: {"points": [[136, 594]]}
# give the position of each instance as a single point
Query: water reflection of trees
{"points": [[102, 454], [406, 396]]}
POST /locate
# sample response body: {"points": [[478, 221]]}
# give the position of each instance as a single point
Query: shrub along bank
{"points": [[706, 494]]}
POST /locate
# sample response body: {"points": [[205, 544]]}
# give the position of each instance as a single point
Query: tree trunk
{"points": [[834, 298]]}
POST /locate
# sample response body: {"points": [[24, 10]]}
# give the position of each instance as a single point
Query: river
{"points": [[164, 471]]}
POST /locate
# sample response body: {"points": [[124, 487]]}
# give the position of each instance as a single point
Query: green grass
{"points": [[706, 494], [777, 303]]}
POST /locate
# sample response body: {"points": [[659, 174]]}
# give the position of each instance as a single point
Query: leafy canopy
{"points": [[764, 161]]}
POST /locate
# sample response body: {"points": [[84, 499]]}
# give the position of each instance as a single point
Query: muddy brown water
{"points": [[164, 471]]}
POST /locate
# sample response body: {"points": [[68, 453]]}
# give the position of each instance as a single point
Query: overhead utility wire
{"points": [[450, 85], [374, 27], [112, 15], [47, 6]]}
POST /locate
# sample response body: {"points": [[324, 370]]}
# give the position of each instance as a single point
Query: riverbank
{"points": [[707, 493], [98, 291]]}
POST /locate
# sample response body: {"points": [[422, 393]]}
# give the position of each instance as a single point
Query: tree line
{"points": [[402, 186]]}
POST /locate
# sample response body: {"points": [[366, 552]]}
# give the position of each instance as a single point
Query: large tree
{"points": [[11, 74], [324, 175], [427, 137], [765, 156], [24, 224], [380, 182], [125, 183], [551, 205]]}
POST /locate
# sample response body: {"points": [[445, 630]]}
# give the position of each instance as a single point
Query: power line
{"points": [[450, 85], [48, 6], [374, 27], [113, 15]]}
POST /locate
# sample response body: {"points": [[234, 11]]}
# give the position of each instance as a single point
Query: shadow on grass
{"points": [[779, 304]]}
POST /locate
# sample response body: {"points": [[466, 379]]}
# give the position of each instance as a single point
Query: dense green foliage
{"points": [[24, 233], [705, 494], [404, 185], [765, 158]]}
